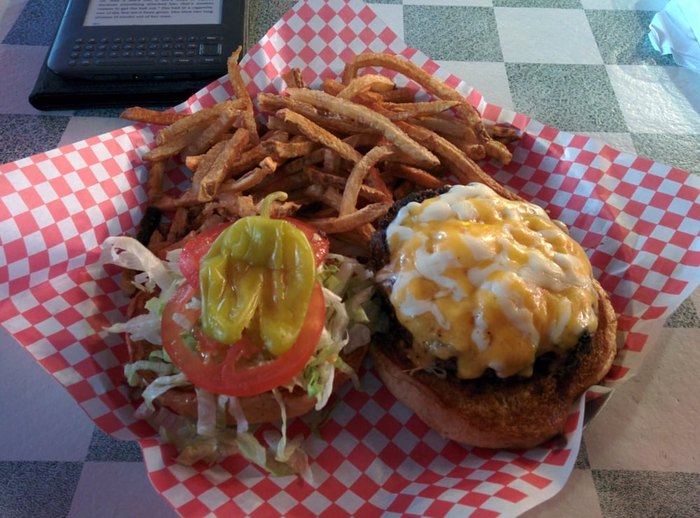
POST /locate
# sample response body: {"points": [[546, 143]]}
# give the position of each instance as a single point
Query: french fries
{"points": [[213, 177], [364, 115], [343, 153]]}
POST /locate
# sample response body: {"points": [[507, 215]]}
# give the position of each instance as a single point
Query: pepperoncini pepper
{"points": [[258, 276]]}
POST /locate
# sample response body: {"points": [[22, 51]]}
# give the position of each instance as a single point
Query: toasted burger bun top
{"points": [[498, 404]]}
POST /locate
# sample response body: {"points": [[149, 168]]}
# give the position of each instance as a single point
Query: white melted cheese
{"points": [[489, 281]]}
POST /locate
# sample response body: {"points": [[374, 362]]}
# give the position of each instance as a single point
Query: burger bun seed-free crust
{"points": [[491, 412]]}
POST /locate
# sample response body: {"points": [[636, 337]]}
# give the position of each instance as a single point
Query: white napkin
{"points": [[676, 30]]}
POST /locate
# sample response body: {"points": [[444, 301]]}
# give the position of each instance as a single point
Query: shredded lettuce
{"points": [[147, 325], [251, 448], [161, 385], [235, 410], [159, 355], [281, 454], [293, 459], [347, 288], [133, 378], [282, 457], [141, 327], [129, 253], [209, 441], [206, 413]]}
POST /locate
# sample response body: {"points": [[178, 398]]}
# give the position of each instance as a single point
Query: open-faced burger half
{"points": [[499, 323], [242, 322]]}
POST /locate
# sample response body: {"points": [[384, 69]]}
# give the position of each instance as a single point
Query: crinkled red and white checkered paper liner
{"points": [[638, 219], [375, 457]]}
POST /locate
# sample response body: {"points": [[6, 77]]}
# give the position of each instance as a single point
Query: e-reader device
{"points": [[113, 40]]}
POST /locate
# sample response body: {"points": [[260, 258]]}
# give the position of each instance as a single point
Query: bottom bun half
{"points": [[491, 412]]}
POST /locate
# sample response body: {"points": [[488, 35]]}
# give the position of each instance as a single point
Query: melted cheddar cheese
{"points": [[491, 282]]}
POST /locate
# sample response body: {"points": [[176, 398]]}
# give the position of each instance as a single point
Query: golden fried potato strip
{"points": [[474, 151], [214, 131], [316, 133], [502, 132], [366, 83], [409, 69], [251, 178], [154, 184], [499, 151], [215, 176], [332, 162], [205, 160], [294, 79], [375, 180], [358, 174], [331, 197], [167, 203], [463, 167], [240, 91], [287, 150], [448, 126], [404, 111], [270, 103], [321, 178], [178, 227], [363, 216], [276, 135], [161, 118], [332, 86], [176, 143], [401, 94], [326, 194], [414, 175], [239, 164], [204, 164], [191, 122], [282, 182]]}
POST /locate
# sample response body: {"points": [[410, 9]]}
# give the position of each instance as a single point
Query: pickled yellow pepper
{"points": [[258, 276]]}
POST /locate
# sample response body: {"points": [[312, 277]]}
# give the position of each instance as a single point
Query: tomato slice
{"points": [[226, 377], [198, 246]]}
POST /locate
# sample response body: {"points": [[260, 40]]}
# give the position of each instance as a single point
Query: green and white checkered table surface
{"points": [[584, 66]]}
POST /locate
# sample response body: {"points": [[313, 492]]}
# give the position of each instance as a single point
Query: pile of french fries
{"points": [[342, 153]]}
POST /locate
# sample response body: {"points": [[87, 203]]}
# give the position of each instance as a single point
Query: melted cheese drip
{"points": [[489, 281]]}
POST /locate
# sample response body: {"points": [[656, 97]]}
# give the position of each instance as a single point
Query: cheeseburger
{"points": [[500, 323]]}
